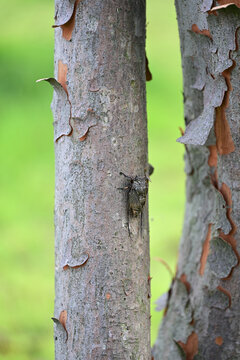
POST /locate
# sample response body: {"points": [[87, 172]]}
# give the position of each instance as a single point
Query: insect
{"points": [[136, 189]]}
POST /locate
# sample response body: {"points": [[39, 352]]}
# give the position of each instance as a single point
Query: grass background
{"points": [[27, 169]]}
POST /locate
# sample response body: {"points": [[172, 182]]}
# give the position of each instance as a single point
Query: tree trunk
{"points": [[100, 127], [202, 316]]}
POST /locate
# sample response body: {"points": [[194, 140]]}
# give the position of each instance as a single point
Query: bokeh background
{"points": [[27, 169]]}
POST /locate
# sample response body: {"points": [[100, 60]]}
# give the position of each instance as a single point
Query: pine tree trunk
{"points": [[203, 312], [100, 127]]}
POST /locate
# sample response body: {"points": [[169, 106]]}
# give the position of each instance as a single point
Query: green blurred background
{"points": [[27, 169]]}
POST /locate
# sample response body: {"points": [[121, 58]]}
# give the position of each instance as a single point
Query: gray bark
{"points": [[102, 251], [202, 318]]}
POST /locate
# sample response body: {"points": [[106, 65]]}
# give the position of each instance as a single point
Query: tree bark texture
{"points": [[100, 129], [202, 317]]}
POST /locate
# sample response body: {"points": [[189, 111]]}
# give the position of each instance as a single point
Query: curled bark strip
{"points": [[223, 4], [148, 72], [204, 32], [163, 262], [75, 263], [64, 10], [55, 84], [62, 321], [226, 2], [67, 28], [191, 347], [65, 16], [205, 251], [62, 125]]}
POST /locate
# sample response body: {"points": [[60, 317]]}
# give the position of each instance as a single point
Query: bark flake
{"points": [[223, 4], [213, 59], [62, 115], [75, 262], [198, 130], [221, 258], [62, 321], [82, 125], [65, 16], [219, 215]]}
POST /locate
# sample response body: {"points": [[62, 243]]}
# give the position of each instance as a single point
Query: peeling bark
{"points": [[65, 16], [223, 4], [102, 271], [62, 118], [209, 248]]}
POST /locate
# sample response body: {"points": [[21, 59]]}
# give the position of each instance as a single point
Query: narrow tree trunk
{"points": [[102, 250], [203, 312]]}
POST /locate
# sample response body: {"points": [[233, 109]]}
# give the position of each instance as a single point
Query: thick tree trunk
{"points": [[102, 249], [203, 312]]}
